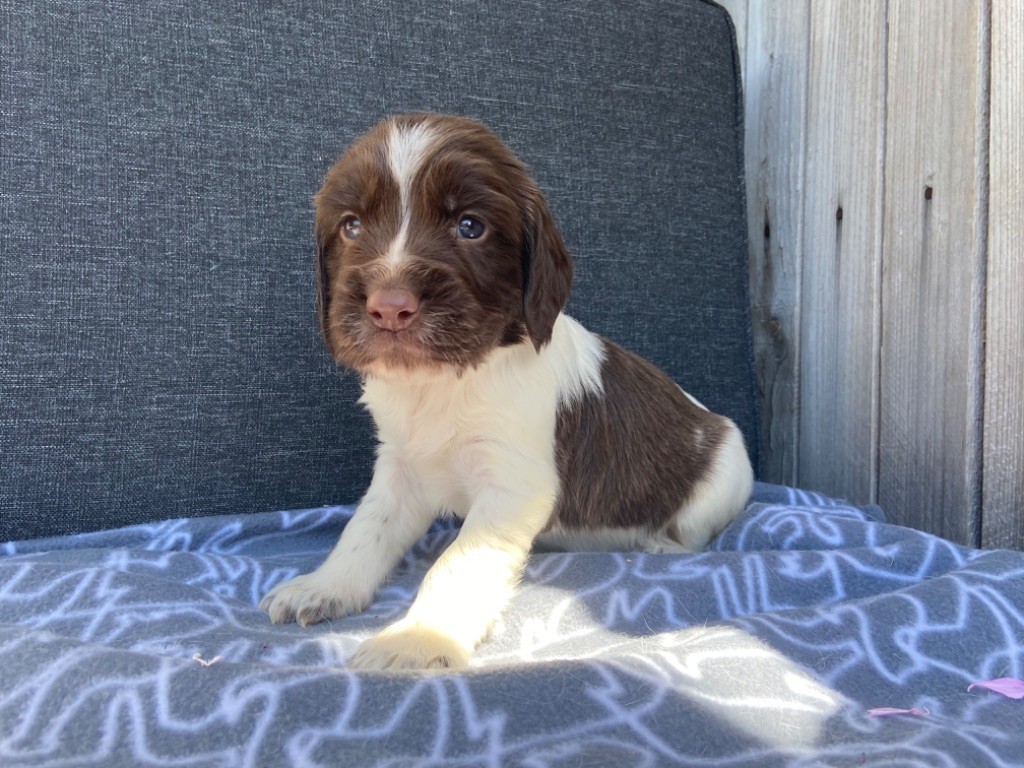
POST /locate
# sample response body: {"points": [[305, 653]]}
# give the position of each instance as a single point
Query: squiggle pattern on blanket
{"points": [[765, 650]]}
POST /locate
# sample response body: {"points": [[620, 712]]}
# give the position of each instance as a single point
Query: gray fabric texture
{"points": [[159, 355]]}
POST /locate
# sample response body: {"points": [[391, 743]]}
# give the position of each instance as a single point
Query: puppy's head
{"points": [[434, 247]]}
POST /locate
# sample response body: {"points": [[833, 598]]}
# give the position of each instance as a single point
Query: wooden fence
{"points": [[885, 183]]}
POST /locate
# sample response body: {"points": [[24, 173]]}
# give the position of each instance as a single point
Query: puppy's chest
{"points": [[421, 426], [456, 440]]}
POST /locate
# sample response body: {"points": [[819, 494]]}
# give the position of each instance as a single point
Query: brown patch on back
{"points": [[631, 457]]}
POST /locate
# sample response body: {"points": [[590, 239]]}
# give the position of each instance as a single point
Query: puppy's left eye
{"points": [[470, 227], [351, 227]]}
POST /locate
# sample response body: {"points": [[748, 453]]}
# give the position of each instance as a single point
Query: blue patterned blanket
{"points": [[768, 649]]}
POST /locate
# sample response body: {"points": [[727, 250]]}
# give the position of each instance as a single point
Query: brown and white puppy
{"points": [[442, 281]]}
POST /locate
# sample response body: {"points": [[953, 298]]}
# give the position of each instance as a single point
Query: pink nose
{"points": [[394, 308]]}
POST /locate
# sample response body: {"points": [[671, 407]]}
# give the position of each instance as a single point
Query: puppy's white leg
{"points": [[387, 522], [466, 589]]}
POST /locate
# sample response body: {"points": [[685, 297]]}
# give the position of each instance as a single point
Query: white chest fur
{"points": [[493, 427]]}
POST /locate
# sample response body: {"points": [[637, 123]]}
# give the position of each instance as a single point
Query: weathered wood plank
{"points": [[775, 81], [933, 245], [842, 240], [1003, 502]]}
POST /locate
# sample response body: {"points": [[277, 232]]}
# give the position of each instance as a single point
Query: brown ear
{"points": [[325, 232], [547, 274]]}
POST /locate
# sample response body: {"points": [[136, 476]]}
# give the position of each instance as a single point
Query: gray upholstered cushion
{"points": [[159, 354]]}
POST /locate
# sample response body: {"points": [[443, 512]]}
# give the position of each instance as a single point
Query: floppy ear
{"points": [[547, 273], [325, 231]]}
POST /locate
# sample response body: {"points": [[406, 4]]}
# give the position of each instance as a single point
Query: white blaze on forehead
{"points": [[408, 145]]}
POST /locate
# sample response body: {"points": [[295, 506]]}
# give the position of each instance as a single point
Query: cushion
{"points": [[159, 355]]}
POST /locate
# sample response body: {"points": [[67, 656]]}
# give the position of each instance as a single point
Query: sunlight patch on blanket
{"points": [[742, 680]]}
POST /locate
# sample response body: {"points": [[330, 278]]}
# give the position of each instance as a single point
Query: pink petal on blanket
{"points": [[884, 711], [1008, 686]]}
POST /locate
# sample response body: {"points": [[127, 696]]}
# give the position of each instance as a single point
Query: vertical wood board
{"points": [[1003, 510], [842, 249], [933, 179], [775, 88]]}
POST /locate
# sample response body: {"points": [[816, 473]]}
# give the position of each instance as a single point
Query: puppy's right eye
{"points": [[351, 227], [470, 228]]}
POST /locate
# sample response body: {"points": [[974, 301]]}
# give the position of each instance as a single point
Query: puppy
{"points": [[442, 279]]}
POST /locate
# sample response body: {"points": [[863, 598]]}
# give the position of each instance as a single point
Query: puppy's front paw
{"points": [[311, 598], [409, 646]]}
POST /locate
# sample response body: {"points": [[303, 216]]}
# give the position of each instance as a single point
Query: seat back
{"points": [[159, 351]]}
